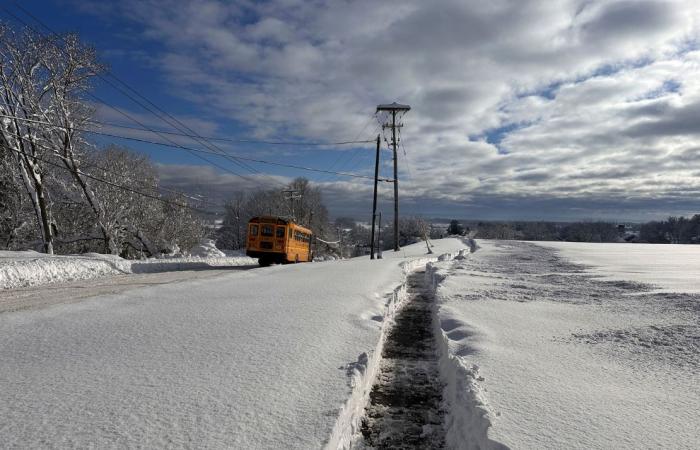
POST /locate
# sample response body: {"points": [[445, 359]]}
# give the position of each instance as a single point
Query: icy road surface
{"points": [[246, 359]]}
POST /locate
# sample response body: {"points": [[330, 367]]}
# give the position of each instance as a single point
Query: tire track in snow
{"points": [[405, 407]]}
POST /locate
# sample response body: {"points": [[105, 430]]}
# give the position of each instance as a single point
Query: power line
{"points": [[340, 156], [110, 183], [199, 198], [192, 134], [356, 137], [128, 116], [240, 141], [192, 149], [173, 143], [128, 179], [195, 136], [352, 167], [355, 154]]}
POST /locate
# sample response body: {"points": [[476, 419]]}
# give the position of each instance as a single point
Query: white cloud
{"points": [[604, 93]]}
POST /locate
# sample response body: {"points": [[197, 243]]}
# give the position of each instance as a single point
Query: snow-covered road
{"points": [[42, 296], [247, 359]]}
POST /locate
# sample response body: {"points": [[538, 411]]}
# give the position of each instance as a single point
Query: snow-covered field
{"points": [[669, 267], [535, 350], [564, 358], [264, 358], [29, 268]]}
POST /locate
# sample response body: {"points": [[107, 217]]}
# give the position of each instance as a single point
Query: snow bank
{"points": [[466, 420], [153, 265], [29, 268], [207, 249]]}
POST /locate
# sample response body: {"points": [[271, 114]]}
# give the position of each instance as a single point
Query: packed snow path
{"points": [[405, 401]]}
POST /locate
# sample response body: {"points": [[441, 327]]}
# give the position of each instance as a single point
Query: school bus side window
{"points": [[253, 230], [280, 232]]}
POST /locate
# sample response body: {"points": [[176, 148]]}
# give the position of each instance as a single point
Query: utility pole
{"points": [[292, 194], [394, 108], [340, 242], [379, 237], [374, 202]]}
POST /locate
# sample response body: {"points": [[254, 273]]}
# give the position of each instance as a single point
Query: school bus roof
{"points": [[279, 221]]}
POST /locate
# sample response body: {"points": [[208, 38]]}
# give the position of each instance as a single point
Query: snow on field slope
{"points": [[254, 359], [670, 267], [29, 268], [558, 357]]}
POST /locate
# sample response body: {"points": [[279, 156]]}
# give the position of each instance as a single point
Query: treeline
{"points": [[354, 237], [674, 230], [549, 231], [59, 193], [301, 201]]}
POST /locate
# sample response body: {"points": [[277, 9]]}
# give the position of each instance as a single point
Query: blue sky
{"points": [[577, 109]]}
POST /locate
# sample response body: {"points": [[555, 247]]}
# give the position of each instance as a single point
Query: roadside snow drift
{"points": [[29, 268]]}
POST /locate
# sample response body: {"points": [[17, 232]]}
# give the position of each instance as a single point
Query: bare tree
{"points": [[138, 218], [308, 209], [40, 81], [16, 221], [424, 231], [232, 233], [126, 217]]}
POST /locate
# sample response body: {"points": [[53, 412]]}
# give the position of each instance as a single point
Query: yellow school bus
{"points": [[275, 240]]}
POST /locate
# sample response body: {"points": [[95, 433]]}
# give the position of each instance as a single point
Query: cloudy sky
{"points": [[521, 109]]}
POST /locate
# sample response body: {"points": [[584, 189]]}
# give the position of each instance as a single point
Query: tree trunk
{"points": [[97, 208], [46, 219], [35, 188]]}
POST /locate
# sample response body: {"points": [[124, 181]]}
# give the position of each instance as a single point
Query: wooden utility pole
{"points": [[379, 237], [374, 202], [395, 108]]}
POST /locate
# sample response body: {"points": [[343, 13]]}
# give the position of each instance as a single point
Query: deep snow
{"points": [[557, 357], [534, 349], [670, 267], [30, 268], [265, 358]]}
